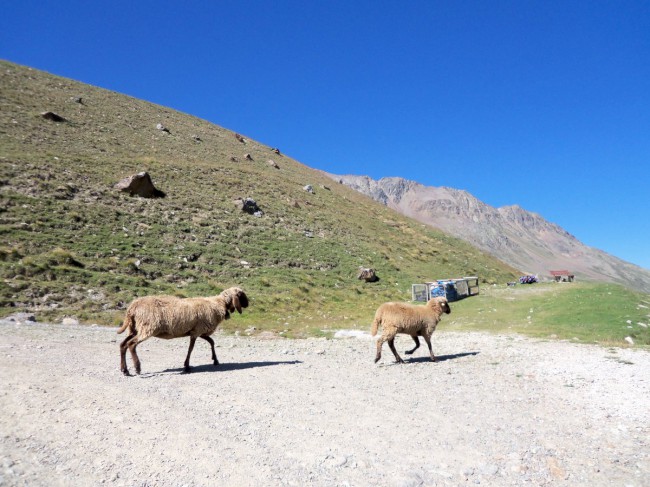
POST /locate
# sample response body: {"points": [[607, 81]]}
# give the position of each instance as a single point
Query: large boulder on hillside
{"points": [[248, 205], [53, 117], [367, 274], [139, 185]]}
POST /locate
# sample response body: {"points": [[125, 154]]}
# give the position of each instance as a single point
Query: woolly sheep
{"points": [[413, 320], [171, 317]]}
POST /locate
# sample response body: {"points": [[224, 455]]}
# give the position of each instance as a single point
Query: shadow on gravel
{"points": [[442, 358], [197, 369]]}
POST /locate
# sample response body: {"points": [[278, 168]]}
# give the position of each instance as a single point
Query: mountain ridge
{"points": [[523, 239]]}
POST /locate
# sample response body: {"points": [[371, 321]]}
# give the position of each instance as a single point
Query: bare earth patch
{"points": [[495, 410]]}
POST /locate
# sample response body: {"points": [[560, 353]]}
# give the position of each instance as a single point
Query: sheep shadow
{"points": [[442, 358], [225, 367]]}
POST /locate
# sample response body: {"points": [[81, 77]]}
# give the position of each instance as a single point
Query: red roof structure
{"points": [[561, 273], [563, 276]]}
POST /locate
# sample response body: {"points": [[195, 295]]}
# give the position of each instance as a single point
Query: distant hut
{"points": [[563, 276]]}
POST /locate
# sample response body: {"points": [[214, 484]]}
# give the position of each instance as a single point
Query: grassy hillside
{"points": [[584, 312], [72, 245]]}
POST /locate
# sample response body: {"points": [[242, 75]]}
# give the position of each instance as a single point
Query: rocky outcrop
{"points": [[139, 185]]}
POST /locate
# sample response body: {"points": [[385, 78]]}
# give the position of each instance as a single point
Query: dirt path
{"points": [[495, 410]]}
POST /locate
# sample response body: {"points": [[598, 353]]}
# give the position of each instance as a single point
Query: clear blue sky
{"points": [[542, 104]]}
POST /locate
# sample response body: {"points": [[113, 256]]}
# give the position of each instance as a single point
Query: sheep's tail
{"points": [[128, 322], [375, 324]]}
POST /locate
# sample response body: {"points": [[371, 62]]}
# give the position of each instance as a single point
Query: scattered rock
{"points": [[309, 188], [68, 321], [273, 164], [367, 274], [240, 138], [249, 205], [192, 257], [162, 128], [65, 192], [276, 150], [326, 188], [139, 185], [248, 157], [21, 318], [197, 138], [629, 340], [53, 117]]}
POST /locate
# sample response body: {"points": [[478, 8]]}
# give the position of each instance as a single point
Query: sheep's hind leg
{"points": [[417, 345], [133, 343], [211, 342], [187, 369], [391, 344], [428, 340], [123, 346], [380, 342]]}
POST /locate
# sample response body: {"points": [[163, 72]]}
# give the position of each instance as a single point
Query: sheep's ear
{"points": [[235, 301]]}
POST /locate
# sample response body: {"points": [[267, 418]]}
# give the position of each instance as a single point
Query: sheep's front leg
{"points": [[187, 369], [427, 339], [391, 344], [211, 342], [417, 345]]}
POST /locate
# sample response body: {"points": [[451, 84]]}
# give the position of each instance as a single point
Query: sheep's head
{"points": [[441, 303], [235, 299]]}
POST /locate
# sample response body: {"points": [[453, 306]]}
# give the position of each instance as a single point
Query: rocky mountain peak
{"points": [[521, 238], [395, 187]]}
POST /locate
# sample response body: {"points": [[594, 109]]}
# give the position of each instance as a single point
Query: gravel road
{"points": [[495, 410]]}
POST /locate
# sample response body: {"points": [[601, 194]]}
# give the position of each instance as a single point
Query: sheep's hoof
{"points": [[400, 361], [433, 359], [126, 373], [409, 352], [187, 370], [377, 359]]}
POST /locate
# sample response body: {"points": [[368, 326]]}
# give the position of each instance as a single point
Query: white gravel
{"points": [[495, 410]]}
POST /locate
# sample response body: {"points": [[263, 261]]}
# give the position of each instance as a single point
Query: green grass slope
{"points": [[72, 245], [584, 312]]}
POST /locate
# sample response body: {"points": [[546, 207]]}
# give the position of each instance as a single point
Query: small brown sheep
{"points": [[406, 318], [171, 317]]}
